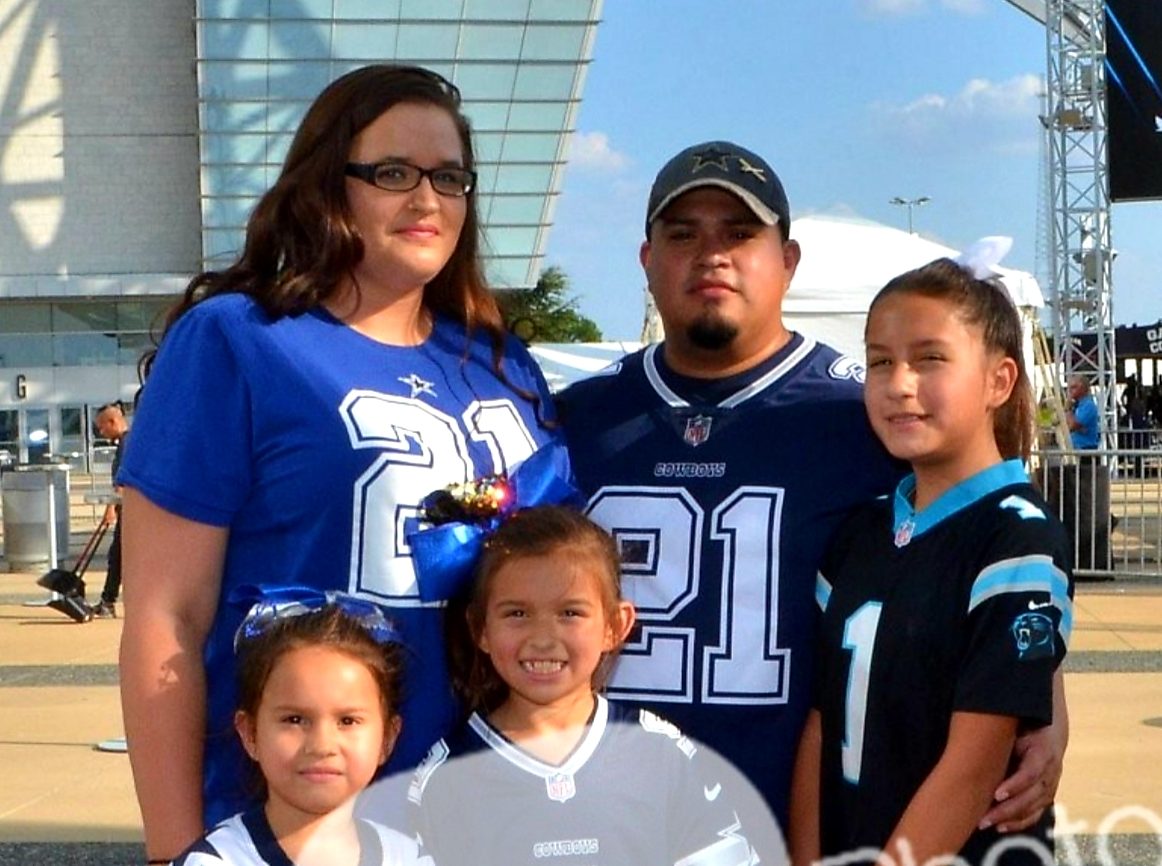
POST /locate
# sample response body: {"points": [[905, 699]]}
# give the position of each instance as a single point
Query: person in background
{"points": [[111, 425], [1085, 505], [1082, 415]]}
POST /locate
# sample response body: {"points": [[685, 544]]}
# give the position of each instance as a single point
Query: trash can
{"points": [[24, 498]]}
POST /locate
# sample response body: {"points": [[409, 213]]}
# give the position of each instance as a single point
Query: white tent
{"points": [[845, 262], [565, 363]]}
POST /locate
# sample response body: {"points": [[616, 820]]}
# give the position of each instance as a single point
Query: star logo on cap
{"points": [[712, 156], [747, 168]]}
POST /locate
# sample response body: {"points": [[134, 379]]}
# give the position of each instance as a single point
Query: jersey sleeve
{"points": [[1020, 613], [190, 448], [704, 793], [202, 855], [427, 812], [398, 849], [530, 376]]}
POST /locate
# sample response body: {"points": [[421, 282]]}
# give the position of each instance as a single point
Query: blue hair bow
{"points": [[268, 604], [445, 555]]}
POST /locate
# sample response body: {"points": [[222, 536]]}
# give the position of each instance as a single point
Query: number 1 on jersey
{"points": [[859, 636]]}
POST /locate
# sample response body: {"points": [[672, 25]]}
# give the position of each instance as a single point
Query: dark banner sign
{"points": [[1135, 342], [1134, 98]]}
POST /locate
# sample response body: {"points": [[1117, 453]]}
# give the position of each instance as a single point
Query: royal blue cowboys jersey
{"points": [[633, 790], [721, 507], [962, 607], [247, 840], [314, 445]]}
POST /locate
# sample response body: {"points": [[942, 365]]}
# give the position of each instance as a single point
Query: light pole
{"points": [[910, 203]]}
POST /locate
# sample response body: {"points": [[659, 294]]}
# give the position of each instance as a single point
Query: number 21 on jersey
{"points": [[660, 534]]}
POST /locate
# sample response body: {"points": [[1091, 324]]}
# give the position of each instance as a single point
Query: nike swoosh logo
{"points": [[711, 794], [1034, 606]]}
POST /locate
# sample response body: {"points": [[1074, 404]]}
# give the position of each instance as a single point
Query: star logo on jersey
{"points": [[419, 386], [712, 156], [697, 430], [560, 787]]}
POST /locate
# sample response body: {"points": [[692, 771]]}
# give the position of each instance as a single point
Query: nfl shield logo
{"points": [[904, 533], [560, 787], [697, 430]]}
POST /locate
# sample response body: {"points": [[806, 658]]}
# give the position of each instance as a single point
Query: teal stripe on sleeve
{"points": [[822, 591], [1034, 573]]}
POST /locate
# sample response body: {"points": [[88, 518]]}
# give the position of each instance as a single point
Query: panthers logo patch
{"points": [[1033, 634]]}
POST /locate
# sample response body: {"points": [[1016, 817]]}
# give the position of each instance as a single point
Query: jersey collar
{"points": [[738, 388], [261, 834], [907, 523], [521, 759]]}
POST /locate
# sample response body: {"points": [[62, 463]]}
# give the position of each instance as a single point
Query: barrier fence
{"points": [[1110, 501]]}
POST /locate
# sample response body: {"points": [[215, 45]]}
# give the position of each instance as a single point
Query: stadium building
{"points": [[136, 137]]}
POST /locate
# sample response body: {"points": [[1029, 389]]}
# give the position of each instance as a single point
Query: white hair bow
{"points": [[981, 258]]}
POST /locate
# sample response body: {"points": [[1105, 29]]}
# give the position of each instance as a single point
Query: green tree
{"points": [[547, 313]]}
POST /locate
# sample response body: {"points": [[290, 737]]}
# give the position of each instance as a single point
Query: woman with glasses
{"points": [[301, 403]]}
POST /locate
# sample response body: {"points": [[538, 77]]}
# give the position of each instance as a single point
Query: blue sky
{"points": [[853, 102]]}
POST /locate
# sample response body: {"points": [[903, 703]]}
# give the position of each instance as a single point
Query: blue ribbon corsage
{"points": [[461, 517]]}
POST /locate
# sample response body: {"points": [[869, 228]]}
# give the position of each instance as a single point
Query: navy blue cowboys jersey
{"points": [[961, 607], [633, 791], [721, 506]]}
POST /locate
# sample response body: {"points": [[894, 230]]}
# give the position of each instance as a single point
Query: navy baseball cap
{"points": [[728, 166]]}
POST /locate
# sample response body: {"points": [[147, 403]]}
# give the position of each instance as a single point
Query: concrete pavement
{"points": [[62, 801]]}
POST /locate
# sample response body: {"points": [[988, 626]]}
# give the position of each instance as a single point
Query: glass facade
{"points": [[79, 333], [520, 66]]}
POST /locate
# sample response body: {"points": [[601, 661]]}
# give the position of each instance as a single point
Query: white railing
{"points": [[1111, 504]]}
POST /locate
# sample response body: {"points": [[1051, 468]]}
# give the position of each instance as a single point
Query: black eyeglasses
{"points": [[404, 177]]}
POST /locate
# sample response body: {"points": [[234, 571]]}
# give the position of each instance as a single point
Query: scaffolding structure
{"points": [[1080, 253]]}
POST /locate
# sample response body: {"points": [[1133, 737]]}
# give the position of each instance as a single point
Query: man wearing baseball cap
{"points": [[722, 459]]}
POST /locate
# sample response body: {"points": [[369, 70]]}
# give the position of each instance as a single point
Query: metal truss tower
{"points": [[1080, 254]]}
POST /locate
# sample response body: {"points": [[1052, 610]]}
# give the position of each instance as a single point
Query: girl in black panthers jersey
{"points": [[946, 608]]}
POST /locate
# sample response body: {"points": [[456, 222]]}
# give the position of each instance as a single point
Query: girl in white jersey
{"points": [[319, 683]]}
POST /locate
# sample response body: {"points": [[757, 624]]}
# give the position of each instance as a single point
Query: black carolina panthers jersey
{"points": [[962, 607], [721, 512], [633, 791]]}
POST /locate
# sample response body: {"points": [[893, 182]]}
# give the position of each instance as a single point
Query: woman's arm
{"points": [[1022, 797], [173, 576], [804, 840], [946, 809]]}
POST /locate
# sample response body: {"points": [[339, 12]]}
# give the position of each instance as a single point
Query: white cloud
{"points": [[998, 115], [592, 150], [835, 209], [965, 7], [893, 7], [979, 100]]}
